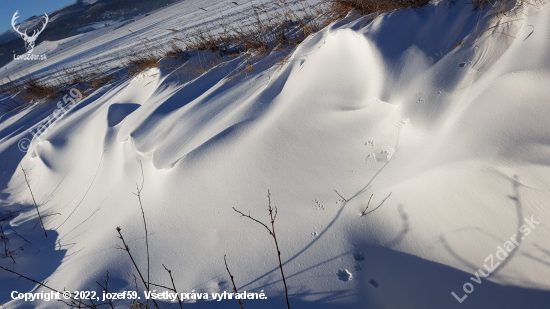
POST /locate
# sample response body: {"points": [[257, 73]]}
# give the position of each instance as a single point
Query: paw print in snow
{"points": [[370, 142], [318, 205], [385, 155], [403, 122], [358, 256], [371, 156], [373, 283], [344, 275]]}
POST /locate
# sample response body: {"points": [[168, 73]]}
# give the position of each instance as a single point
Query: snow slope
{"points": [[450, 142], [106, 45]]}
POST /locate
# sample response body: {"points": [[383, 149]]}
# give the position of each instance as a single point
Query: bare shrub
{"points": [[241, 304], [7, 252], [273, 215]]}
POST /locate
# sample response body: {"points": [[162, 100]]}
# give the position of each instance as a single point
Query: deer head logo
{"points": [[29, 40]]}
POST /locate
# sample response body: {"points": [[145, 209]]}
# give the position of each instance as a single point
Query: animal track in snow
{"points": [[385, 155], [373, 283], [313, 234], [370, 142], [344, 275], [318, 205], [403, 122], [370, 156], [359, 256]]}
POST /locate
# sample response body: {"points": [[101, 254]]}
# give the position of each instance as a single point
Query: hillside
{"points": [[407, 154], [69, 21]]}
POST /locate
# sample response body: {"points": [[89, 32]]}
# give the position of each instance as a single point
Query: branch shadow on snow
{"points": [[407, 281], [338, 214], [38, 260]]}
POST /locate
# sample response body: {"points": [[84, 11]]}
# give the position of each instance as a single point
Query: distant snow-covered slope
{"points": [[69, 20]]}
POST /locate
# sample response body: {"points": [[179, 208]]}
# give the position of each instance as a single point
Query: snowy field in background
{"points": [[109, 43], [452, 143]]}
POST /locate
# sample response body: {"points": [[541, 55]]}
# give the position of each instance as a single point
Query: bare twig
{"points": [[248, 216], [7, 252], [273, 215], [173, 285], [160, 286], [367, 206], [138, 194], [127, 249], [134, 302], [28, 185], [232, 281], [19, 235], [43, 285], [105, 289], [340, 196]]}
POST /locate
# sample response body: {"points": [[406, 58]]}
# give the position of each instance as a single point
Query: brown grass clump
{"points": [[268, 27], [25, 91], [138, 64], [365, 7], [37, 89], [100, 80], [177, 53], [206, 40], [263, 30]]}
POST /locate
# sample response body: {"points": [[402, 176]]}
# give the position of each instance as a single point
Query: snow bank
{"points": [[449, 139]]}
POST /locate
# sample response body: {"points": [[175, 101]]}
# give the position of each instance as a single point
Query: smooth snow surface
{"points": [[452, 144]]}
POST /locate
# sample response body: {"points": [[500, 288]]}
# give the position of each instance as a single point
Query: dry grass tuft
{"points": [[364, 7], [177, 53], [140, 63], [39, 89], [100, 80], [277, 26], [263, 30]]}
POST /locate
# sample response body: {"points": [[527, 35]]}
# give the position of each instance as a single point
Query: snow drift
{"points": [[441, 114]]}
